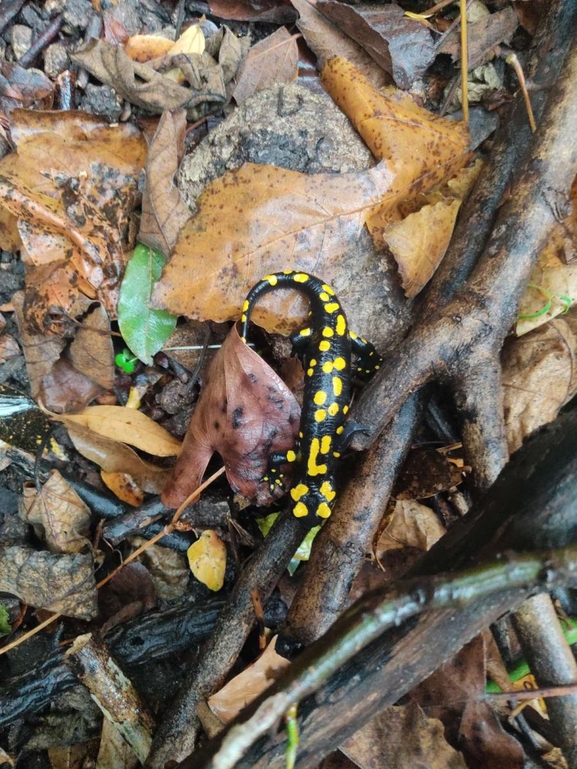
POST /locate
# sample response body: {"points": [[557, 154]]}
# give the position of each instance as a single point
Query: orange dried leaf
{"points": [[272, 60], [143, 48], [261, 219], [207, 559], [245, 412], [421, 148], [124, 487], [126, 426]]}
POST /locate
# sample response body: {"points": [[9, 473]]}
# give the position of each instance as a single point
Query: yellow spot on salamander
{"points": [[333, 409], [341, 325], [337, 385], [290, 456], [287, 272], [306, 331], [320, 415], [312, 467], [324, 346], [272, 279], [340, 364], [301, 435], [299, 491], [336, 454], [328, 367], [340, 430], [324, 296], [300, 510], [327, 491], [332, 307], [326, 444], [323, 510], [327, 331], [320, 397], [328, 289], [345, 409], [300, 277], [353, 335], [313, 362], [310, 371], [243, 317], [246, 305]]}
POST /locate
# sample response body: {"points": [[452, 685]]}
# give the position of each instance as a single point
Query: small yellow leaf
{"points": [[191, 41], [126, 426], [207, 559]]}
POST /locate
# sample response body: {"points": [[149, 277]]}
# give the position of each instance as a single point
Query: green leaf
{"points": [[144, 329], [4, 624]]}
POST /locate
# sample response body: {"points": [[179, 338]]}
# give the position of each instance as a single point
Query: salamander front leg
{"points": [[368, 359], [274, 475]]}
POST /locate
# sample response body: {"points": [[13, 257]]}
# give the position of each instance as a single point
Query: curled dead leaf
{"points": [[411, 525]]}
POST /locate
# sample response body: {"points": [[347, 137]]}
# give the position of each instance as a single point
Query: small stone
{"points": [[56, 60], [32, 17], [77, 13], [102, 100], [21, 40], [54, 7]]}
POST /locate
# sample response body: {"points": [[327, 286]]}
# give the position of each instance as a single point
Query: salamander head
{"points": [[315, 501]]}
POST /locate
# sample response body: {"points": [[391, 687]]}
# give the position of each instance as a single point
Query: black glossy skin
{"points": [[325, 348]]}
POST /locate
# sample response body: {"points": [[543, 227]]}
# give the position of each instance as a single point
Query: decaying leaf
{"points": [[56, 582], [8, 348], [58, 514], [207, 559], [142, 85], [20, 87], [402, 736], [411, 525], [126, 426], [91, 350], [401, 46], [420, 148], [113, 750], [244, 688], [538, 378], [124, 487], [272, 60], [245, 412], [168, 569], [483, 36], [163, 211], [253, 10], [425, 473], [326, 40]]}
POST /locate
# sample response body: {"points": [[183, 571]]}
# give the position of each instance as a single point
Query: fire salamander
{"points": [[324, 347]]}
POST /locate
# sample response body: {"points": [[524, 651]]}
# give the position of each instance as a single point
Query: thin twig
{"points": [[42, 41]]}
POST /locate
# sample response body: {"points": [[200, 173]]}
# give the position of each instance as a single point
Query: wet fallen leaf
{"points": [[411, 525], [245, 412], [245, 687], [484, 741], [253, 10], [326, 40], [419, 241], [115, 457], [538, 378], [421, 149], [56, 582], [483, 36], [129, 593], [113, 749], [20, 87], [402, 737], [142, 85], [144, 328], [207, 559], [126, 426], [168, 569], [163, 211], [190, 42], [401, 46], [143, 48], [91, 350], [58, 515], [8, 348], [272, 60], [124, 487]]}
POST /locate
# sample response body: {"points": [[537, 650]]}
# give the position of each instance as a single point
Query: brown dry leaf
{"points": [[113, 749], [163, 211], [402, 737], [125, 426], [326, 40], [484, 741], [400, 45], [207, 559], [250, 222], [58, 515], [8, 348], [274, 11], [56, 582], [20, 87], [272, 60], [114, 457], [9, 235], [245, 412], [419, 241], [411, 525], [483, 36], [539, 376], [190, 42], [244, 688], [421, 149], [92, 351], [140, 84], [168, 569]]}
